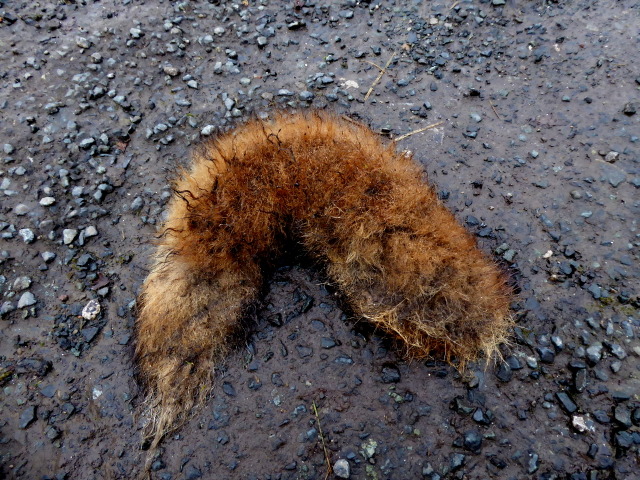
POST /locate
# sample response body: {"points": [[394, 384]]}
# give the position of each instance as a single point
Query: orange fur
{"points": [[363, 209]]}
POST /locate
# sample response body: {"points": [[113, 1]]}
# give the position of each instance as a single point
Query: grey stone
{"points": [[27, 417], [21, 283], [83, 42], [207, 130], [341, 469], [48, 256], [137, 204], [21, 209], [26, 300], [90, 231], [594, 353], [27, 235], [69, 235], [7, 307]]}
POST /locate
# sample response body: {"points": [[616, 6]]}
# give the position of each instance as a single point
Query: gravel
{"points": [[535, 156]]}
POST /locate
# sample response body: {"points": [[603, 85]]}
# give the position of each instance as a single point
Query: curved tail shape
{"points": [[363, 209]]}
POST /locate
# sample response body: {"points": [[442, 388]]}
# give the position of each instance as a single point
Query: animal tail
{"points": [[364, 210]]}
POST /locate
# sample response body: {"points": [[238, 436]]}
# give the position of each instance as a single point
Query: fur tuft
{"points": [[355, 204]]}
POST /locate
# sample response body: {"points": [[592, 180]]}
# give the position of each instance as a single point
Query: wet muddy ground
{"points": [[538, 154]]}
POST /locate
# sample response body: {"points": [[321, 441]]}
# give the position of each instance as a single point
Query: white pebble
{"points": [[69, 235], [91, 310], [26, 300]]}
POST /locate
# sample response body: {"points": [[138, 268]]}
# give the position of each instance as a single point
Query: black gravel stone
{"points": [[228, 389], [533, 464], [192, 473], [472, 441], [390, 374], [277, 443], [34, 365], [547, 355], [304, 351], [580, 380], [624, 439], [457, 461], [601, 416], [635, 416], [27, 416], [622, 415], [460, 405], [577, 364], [513, 362], [504, 372], [497, 462], [327, 342], [566, 403]]}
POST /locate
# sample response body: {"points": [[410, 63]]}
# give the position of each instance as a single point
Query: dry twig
{"points": [[402, 137], [495, 111], [382, 72], [324, 446]]}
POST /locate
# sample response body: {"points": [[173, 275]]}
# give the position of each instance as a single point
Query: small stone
{"points": [[547, 355], [368, 448], [614, 175], [341, 469], [228, 389], [27, 235], [136, 33], [52, 433], [87, 143], [26, 300], [304, 351], [617, 350], [622, 415], [8, 148], [90, 231], [91, 310], [83, 42], [47, 201], [583, 423], [566, 403], [48, 256], [594, 353], [630, 108], [137, 204], [27, 417], [21, 209], [89, 333], [21, 283], [611, 156], [6, 307], [219, 31], [207, 130], [262, 42], [170, 70], [457, 461], [306, 96], [533, 463], [504, 372], [390, 374], [472, 441], [69, 235]]}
